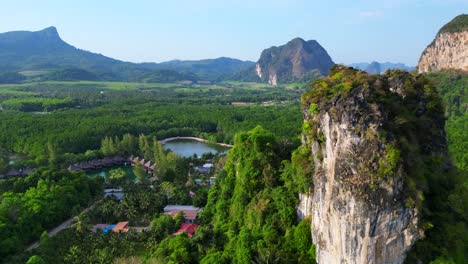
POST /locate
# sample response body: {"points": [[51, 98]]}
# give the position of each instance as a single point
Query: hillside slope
{"points": [[44, 50]]}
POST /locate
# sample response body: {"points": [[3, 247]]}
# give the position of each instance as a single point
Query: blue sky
{"points": [[157, 30]]}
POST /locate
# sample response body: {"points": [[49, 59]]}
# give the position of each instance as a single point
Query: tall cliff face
{"points": [[368, 136], [293, 61], [449, 50]]}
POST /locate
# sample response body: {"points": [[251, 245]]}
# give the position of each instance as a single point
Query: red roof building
{"points": [[121, 227], [187, 228]]}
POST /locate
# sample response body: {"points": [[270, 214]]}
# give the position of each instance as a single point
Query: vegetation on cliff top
{"points": [[458, 24]]}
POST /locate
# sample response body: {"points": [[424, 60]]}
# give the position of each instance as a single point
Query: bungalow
{"points": [[117, 193], [121, 227], [190, 212], [205, 169], [147, 164], [149, 167], [13, 173], [97, 164], [118, 160], [107, 161], [135, 161], [75, 167], [86, 166], [117, 228], [101, 227], [189, 229]]}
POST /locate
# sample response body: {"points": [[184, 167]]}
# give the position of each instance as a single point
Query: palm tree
{"points": [[107, 209], [266, 256], [81, 224]]}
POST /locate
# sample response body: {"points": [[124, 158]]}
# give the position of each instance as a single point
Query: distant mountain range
{"points": [[43, 55], [44, 50], [210, 69], [380, 67]]}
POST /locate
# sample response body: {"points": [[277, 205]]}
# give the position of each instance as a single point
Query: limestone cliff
{"points": [[292, 62], [366, 133], [449, 50]]}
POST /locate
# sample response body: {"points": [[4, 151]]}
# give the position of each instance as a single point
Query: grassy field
{"points": [[226, 92]]}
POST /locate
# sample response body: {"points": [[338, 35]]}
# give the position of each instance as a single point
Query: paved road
{"points": [[56, 230]]}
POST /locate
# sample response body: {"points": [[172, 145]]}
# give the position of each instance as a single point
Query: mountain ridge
{"points": [[376, 67], [45, 50]]}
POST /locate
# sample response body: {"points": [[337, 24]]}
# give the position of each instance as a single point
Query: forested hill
{"points": [[44, 50], [209, 69]]}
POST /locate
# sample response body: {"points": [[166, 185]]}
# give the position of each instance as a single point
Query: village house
{"points": [[187, 228], [148, 165], [13, 173], [97, 164], [190, 212], [204, 169], [121, 227], [117, 193]]}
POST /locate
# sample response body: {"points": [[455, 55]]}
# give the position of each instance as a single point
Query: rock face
{"points": [[449, 50], [360, 204], [291, 62]]}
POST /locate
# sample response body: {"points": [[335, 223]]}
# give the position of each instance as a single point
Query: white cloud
{"points": [[374, 13]]}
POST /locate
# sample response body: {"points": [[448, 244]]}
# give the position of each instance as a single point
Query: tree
{"points": [[108, 147], [53, 153], [168, 190], [139, 172], [162, 226], [3, 166], [81, 224], [129, 144], [74, 255], [145, 148], [159, 158], [176, 250], [35, 260], [179, 218], [117, 175]]}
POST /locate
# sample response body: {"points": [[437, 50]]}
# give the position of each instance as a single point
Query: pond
{"points": [[105, 173], [189, 147]]}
